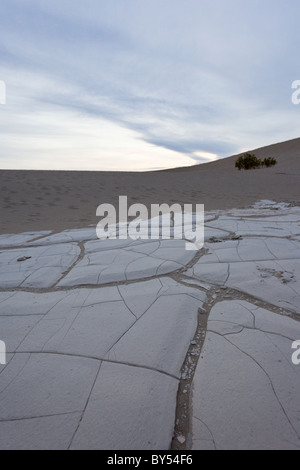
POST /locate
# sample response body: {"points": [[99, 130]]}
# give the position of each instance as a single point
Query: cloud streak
{"points": [[184, 79]]}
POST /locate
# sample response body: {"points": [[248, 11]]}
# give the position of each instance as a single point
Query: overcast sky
{"points": [[145, 84]]}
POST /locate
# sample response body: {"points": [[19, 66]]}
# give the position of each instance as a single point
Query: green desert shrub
{"points": [[268, 162], [249, 161]]}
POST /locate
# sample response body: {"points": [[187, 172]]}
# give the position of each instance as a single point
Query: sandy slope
{"points": [[41, 200]]}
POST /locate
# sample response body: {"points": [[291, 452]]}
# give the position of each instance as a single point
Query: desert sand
{"points": [[45, 200]]}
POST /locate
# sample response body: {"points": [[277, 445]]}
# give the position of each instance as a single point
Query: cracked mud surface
{"points": [[125, 344]]}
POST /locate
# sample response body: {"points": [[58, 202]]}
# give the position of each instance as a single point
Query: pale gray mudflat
{"points": [[246, 389], [97, 333]]}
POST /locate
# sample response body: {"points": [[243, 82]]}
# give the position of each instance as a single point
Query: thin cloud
{"points": [[203, 77]]}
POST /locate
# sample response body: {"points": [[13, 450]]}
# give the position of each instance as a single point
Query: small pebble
{"points": [[25, 258], [181, 439]]}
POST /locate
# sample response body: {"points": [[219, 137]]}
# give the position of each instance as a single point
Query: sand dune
{"points": [[45, 200]]}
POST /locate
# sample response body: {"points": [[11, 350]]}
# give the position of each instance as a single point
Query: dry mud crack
{"points": [[143, 345]]}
